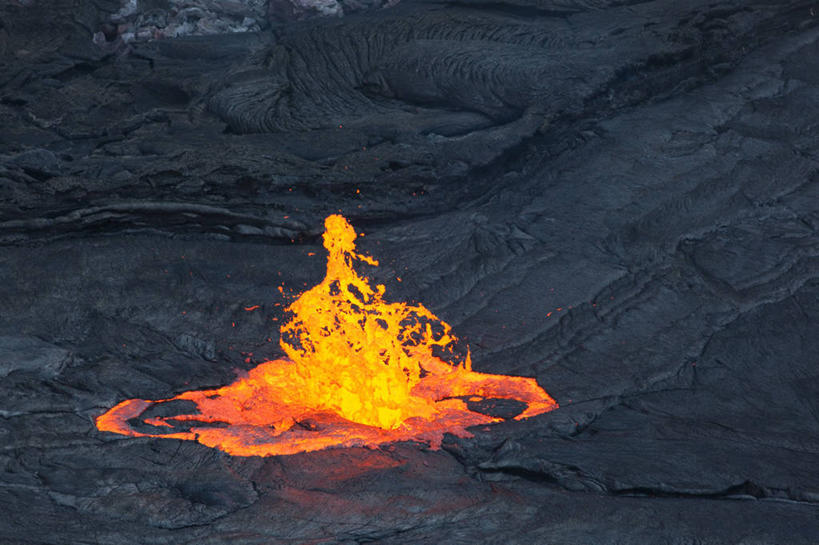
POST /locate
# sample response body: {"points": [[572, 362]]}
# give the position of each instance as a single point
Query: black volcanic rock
{"points": [[617, 198]]}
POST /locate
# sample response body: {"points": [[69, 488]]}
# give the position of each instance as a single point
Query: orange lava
{"points": [[360, 372]]}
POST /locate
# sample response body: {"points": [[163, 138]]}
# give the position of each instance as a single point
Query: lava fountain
{"points": [[359, 372]]}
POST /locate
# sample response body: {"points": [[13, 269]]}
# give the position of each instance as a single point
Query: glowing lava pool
{"points": [[360, 372]]}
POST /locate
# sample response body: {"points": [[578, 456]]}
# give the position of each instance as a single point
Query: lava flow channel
{"points": [[359, 372]]}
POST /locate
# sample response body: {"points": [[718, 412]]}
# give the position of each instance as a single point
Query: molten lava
{"points": [[360, 372]]}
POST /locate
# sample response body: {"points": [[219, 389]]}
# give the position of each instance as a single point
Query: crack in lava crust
{"points": [[360, 372]]}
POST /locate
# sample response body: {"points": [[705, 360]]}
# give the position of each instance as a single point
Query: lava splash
{"points": [[359, 372]]}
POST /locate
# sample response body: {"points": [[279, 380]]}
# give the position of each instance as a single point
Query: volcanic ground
{"points": [[619, 199]]}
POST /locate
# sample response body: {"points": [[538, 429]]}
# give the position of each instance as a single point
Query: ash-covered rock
{"points": [[145, 20], [140, 20]]}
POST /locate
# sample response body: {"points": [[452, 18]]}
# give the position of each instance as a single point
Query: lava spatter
{"points": [[360, 371]]}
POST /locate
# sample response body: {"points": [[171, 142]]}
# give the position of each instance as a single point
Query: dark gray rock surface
{"points": [[620, 199]]}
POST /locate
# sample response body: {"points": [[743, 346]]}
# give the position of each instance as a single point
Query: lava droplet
{"points": [[359, 372]]}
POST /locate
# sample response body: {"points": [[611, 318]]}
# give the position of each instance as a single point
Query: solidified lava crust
{"points": [[616, 200]]}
